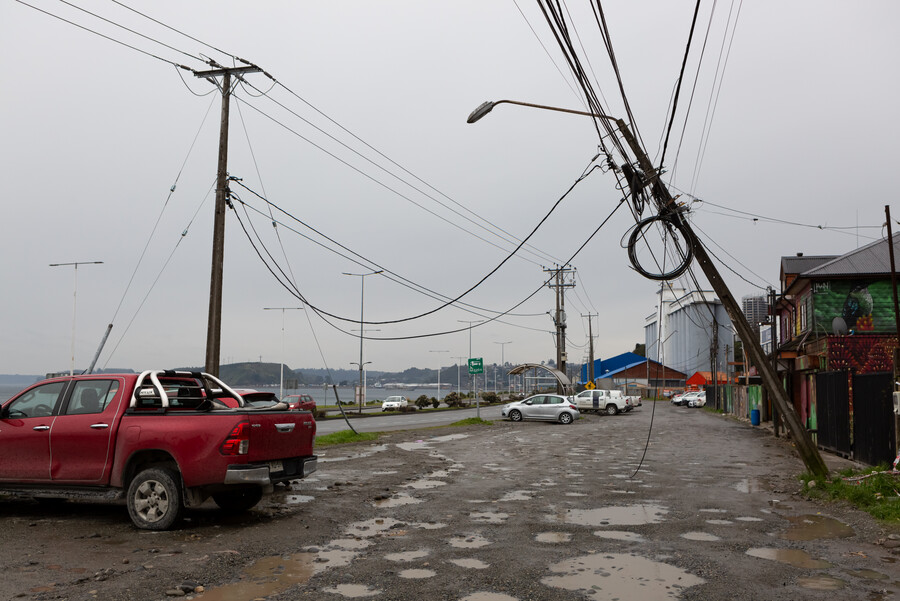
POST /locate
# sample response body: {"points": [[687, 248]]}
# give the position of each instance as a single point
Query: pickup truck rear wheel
{"points": [[611, 409], [238, 500], [154, 499]]}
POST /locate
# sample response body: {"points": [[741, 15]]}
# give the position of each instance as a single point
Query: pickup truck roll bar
{"points": [[140, 389]]}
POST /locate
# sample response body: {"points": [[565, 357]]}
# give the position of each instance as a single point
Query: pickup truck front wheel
{"points": [[611, 409], [154, 499], [238, 500]]}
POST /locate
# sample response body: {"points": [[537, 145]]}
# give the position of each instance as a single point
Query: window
{"points": [[37, 402], [91, 396]]}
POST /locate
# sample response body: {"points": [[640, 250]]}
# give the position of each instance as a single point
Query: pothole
{"points": [[702, 536], [612, 576], [553, 537], [483, 596], [407, 555], [629, 515], [398, 500], [417, 574], [353, 591], [794, 557], [268, 576], [632, 537], [470, 563], [473, 541], [488, 517], [811, 527], [822, 583]]}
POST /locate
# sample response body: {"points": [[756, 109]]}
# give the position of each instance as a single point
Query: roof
{"points": [[871, 259], [800, 263]]}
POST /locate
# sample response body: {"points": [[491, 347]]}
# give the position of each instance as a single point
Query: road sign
{"points": [[476, 366], [590, 386]]}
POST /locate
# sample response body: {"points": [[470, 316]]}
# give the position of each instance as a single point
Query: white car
{"points": [[697, 401], [394, 403], [549, 407]]}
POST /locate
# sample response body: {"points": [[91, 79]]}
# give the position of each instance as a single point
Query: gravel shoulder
{"points": [[507, 512]]}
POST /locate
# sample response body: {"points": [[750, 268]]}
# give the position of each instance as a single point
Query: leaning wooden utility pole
{"points": [[809, 453], [214, 325], [590, 370]]}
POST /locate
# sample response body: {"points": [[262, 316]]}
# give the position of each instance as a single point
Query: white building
{"points": [[693, 324]]}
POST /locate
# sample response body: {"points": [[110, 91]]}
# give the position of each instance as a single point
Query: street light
{"points": [[282, 309], [458, 387], [362, 296], [74, 302], [439, 373], [502, 360], [362, 382]]}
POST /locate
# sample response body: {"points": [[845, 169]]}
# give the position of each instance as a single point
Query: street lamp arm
{"points": [[486, 107]]}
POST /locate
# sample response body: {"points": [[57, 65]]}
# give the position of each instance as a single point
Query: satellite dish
{"points": [[839, 326]]}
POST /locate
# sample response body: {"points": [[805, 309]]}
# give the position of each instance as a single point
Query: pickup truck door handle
{"points": [[285, 427], [99, 426], [41, 428]]}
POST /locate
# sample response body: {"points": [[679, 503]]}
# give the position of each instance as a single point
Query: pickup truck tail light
{"points": [[238, 441]]}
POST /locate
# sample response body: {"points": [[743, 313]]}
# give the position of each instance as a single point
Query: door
{"points": [[25, 433], [81, 442], [534, 408]]}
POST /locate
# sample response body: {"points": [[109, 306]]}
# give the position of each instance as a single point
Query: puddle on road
{"points": [[417, 574], [612, 576], [397, 500], [424, 484], [384, 473], [449, 437], [822, 583], [350, 544], [714, 511], [353, 591], [361, 455], [629, 515], [517, 495], [794, 557], [622, 492], [483, 596], [703, 536], [469, 542], [298, 499], [333, 558], [553, 537], [868, 574], [413, 446], [428, 525], [747, 518], [748, 485], [408, 555], [371, 527], [576, 494], [268, 576], [720, 522], [471, 564], [489, 517], [632, 537], [812, 527]]}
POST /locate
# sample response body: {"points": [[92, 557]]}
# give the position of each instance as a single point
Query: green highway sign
{"points": [[476, 366]]}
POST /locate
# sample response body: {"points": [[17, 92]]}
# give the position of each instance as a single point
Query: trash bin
{"points": [[754, 417]]}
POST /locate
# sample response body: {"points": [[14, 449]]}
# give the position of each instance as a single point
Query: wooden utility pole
{"points": [[560, 318], [214, 325], [666, 204], [887, 215], [590, 369]]}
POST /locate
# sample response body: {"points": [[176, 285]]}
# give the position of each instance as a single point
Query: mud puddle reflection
{"points": [[794, 557], [812, 527], [629, 515], [268, 576]]}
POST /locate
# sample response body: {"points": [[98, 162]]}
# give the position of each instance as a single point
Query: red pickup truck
{"points": [[165, 440]]}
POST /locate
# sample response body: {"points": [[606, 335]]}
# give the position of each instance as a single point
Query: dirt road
{"points": [[508, 512]]}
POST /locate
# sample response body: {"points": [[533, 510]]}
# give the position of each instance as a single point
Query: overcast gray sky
{"points": [[802, 129]]}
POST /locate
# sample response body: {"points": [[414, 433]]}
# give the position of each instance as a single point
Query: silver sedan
{"points": [[549, 407]]}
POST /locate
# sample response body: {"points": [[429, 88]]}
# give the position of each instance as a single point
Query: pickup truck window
{"points": [[91, 396], [37, 402]]}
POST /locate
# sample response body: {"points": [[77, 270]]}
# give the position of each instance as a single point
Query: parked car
{"points": [[699, 400], [255, 398], [687, 397], [605, 401], [300, 402], [163, 440], [549, 407], [394, 403]]}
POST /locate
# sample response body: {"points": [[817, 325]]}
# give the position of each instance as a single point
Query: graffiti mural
{"points": [[860, 306], [864, 354]]}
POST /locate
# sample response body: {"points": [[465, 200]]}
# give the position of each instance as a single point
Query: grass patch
{"points": [[344, 437], [472, 421], [878, 495]]}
